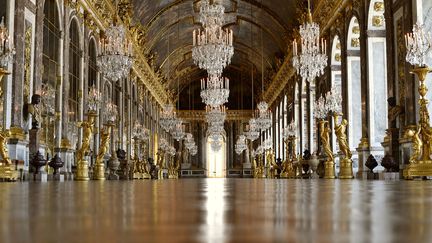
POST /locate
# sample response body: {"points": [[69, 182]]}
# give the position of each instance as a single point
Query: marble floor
{"points": [[217, 210]]}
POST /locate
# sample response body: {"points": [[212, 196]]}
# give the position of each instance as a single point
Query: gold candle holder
{"points": [[329, 164], [420, 161], [346, 170], [6, 171], [82, 164], [99, 167], [288, 170]]}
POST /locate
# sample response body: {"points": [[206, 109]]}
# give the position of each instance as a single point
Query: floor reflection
{"points": [[217, 210]]}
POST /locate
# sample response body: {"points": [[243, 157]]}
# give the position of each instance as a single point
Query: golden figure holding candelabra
{"points": [[99, 167], [346, 169], [6, 56], [88, 127], [160, 163], [271, 164], [418, 44], [140, 136], [173, 164], [288, 170], [329, 164]]}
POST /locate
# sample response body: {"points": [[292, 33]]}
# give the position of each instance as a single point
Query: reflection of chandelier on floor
{"points": [[115, 60], [212, 47], [312, 59]]}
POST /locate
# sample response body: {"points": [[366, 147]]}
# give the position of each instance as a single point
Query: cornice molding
{"points": [[325, 14], [101, 11]]}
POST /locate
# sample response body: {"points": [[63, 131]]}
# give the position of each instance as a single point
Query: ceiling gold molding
{"points": [[102, 11], [324, 14]]}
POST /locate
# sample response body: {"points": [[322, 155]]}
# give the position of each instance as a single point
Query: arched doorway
{"points": [[216, 160]]}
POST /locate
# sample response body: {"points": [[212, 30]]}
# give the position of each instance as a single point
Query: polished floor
{"points": [[217, 210]]}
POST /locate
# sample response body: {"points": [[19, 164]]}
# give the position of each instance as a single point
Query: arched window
{"points": [[51, 39], [377, 73], [92, 67], [354, 83], [74, 70]]}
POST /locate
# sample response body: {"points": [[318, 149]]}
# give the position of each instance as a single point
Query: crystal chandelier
{"points": [[213, 46], [189, 141], [313, 59], [263, 116], [115, 60], [240, 145], [215, 115], [178, 130], [333, 101], [216, 145], [136, 130], [289, 131], [168, 117], [6, 50], [267, 143], [215, 90], [321, 110], [111, 113], [418, 45], [47, 94], [253, 130], [163, 144], [94, 99]]}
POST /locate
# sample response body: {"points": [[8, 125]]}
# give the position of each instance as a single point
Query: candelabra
{"points": [[418, 44], [215, 90], [321, 113], [313, 59], [173, 163], [168, 117], [213, 46], [333, 104], [116, 59], [94, 99], [289, 135], [6, 56], [263, 116], [111, 113]]}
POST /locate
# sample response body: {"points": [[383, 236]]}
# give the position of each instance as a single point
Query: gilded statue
{"points": [[417, 145], [325, 139], [4, 136], [160, 163], [87, 127], [271, 164], [105, 138], [340, 131]]}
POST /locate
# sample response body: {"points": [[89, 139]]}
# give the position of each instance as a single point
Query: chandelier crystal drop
{"points": [[6, 50], [116, 59], [263, 116], [312, 60], [215, 90], [418, 45], [213, 45]]}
